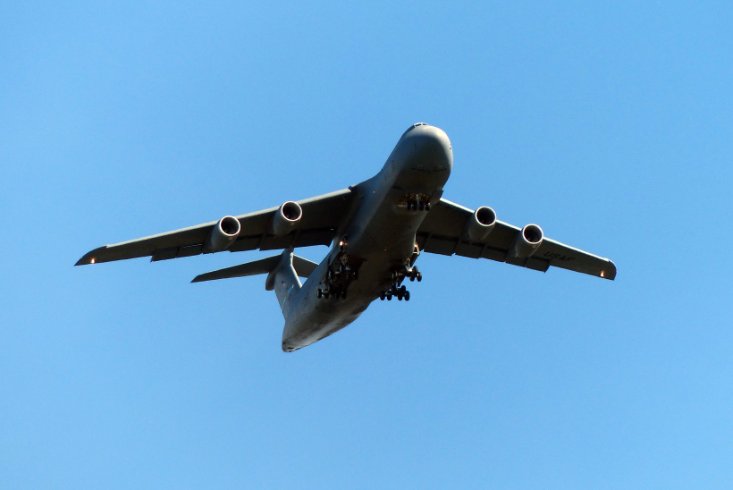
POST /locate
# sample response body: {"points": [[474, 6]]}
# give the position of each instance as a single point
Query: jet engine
{"points": [[223, 234], [285, 218], [526, 243], [480, 224]]}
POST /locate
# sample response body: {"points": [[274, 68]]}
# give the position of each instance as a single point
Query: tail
{"points": [[282, 274]]}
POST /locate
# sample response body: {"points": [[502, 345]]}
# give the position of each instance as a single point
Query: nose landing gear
{"points": [[417, 202]]}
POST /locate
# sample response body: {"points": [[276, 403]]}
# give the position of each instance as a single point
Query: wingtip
{"points": [[609, 272], [201, 278], [86, 259], [91, 257]]}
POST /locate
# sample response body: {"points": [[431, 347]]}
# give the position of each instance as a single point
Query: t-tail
{"points": [[282, 274]]}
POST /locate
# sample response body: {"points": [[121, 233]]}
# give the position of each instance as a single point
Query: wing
{"points": [[322, 216], [444, 232]]}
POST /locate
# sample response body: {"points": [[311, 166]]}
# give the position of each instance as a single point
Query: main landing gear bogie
{"points": [[401, 293], [331, 294], [411, 273], [341, 272], [398, 289]]}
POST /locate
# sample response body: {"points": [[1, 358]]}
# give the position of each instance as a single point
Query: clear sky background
{"points": [[612, 127]]}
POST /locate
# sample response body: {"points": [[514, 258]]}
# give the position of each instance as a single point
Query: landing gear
{"points": [[398, 289], [409, 272], [414, 205], [341, 271], [401, 293], [414, 275], [332, 294], [417, 202]]}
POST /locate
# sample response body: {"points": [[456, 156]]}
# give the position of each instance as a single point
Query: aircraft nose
{"points": [[431, 148]]}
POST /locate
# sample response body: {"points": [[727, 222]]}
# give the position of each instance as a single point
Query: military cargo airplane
{"points": [[376, 229]]}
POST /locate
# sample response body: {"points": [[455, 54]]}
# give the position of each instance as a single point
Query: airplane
{"points": [[376, 231]]}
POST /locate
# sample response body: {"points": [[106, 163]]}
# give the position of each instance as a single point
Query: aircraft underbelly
{"points": [[379, 240], [385, 243]]}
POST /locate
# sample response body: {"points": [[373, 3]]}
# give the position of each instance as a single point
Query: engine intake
{"points": [[480, 224], [285, 218], [223, 234], [527, 242]]}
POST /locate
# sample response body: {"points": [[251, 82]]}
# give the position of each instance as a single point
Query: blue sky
{"points": [[611, 126]]}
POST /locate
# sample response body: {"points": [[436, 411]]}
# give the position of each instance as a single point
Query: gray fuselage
{"points": [[377, 240]]}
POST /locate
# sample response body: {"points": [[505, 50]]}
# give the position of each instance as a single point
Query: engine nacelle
{"points": [[223, 234], [480, 224], [527, 242], [285, 218]]}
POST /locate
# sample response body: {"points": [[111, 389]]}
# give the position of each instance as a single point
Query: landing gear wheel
{"points": [[418, 276], [320, 293], [407, 295], [389, 296]]}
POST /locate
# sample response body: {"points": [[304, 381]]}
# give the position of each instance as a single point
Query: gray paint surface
{"points": [[376, 230]]}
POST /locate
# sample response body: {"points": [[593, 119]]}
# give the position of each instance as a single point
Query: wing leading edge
{"points": [[321, 218], [444, 232]]}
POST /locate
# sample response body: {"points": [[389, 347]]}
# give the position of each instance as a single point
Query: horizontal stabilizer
{"points": [[303, 267]]}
